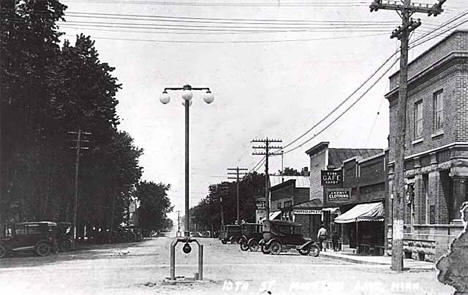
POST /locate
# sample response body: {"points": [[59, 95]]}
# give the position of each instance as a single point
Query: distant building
{"points": [[286, 191], [436, 154]]}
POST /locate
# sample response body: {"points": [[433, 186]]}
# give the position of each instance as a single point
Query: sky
{"points": [[266, 84]]}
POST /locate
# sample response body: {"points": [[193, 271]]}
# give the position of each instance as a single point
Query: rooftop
{"points": [[301, 181]]}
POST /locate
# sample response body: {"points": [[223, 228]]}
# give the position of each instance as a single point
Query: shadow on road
{"points": [[83, 252]]}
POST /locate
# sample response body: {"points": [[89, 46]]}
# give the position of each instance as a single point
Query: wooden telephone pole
{"points": [[78, 146], [405, 10], [267, 153], [238, 172]]}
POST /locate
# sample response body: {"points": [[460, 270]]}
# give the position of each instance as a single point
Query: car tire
{"points": [[314, 251], [3, 251], [304, 251], [223, 241], [275, 247], [43, 249], [253, 246], [66, 245], [243, 245], [265, 249]]}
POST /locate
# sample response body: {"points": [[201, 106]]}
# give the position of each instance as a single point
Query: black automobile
{"points": [[281, 235], [230, 233], [39, 237], [251, 235]]}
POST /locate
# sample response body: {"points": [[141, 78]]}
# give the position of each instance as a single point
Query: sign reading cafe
{"points": [[332, 177]]}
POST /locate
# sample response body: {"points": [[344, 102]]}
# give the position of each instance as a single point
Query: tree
{"points": [[207, 213], [154, 205]]}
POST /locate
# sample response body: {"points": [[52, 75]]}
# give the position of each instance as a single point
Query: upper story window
{"points": [[418, 119], [438, 111]]}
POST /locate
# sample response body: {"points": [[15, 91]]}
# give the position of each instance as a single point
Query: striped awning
{"points": [[362, 212]]}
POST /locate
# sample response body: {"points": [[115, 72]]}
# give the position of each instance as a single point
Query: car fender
{"points": [[272, 240], [250, 240], [261, 242], [306, 244]]}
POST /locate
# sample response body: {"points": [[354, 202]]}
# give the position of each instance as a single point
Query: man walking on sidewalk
{"points": [[321, 236]]}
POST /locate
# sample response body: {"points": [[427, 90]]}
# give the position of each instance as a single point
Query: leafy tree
{"points": [[154, 205]]}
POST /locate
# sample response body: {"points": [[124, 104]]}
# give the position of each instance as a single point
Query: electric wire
{"points": [[385, 62]]}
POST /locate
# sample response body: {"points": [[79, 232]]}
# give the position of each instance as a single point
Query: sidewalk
{"points": [[377, 260]]}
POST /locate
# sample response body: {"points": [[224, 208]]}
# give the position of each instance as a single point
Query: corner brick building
{"points": [[436, 154]]}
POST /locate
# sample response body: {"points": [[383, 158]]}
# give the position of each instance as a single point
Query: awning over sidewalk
{"points": [[363, 212], [275, 214]]}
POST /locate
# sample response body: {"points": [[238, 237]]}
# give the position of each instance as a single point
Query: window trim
{"points": [[418, 104], [438, 108]]}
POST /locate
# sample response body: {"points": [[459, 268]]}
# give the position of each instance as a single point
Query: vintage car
{"points": [[39, 237], [230, 233], [251, 235], [281, 235]]}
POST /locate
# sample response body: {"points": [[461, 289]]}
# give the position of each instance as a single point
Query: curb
{"points": [[352, 260], [359, 261]]}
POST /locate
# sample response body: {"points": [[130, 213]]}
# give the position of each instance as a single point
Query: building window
{"points": [[279, 205], [287, 204], [418, 119], [438, 111]]}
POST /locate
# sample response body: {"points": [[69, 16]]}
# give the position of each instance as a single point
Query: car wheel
{"points": [[314, 251], [3, 251], [265, 249], [253, 246], [243, 246], [304, 251], [66, 245], [223, 241], [275, 247], [43, 249]]}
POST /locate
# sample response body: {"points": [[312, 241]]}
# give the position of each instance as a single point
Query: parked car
{"points": [[39, 237], [230, 233], [280, 235], [251, 234]]}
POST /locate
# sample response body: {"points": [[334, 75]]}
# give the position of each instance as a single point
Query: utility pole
{"points": [[223, 190], [266, 152], [238, 172], [78, 146], [405, 10]]}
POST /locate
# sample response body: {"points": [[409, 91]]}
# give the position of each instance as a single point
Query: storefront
{"points": [[309, 215], [363, 228]]}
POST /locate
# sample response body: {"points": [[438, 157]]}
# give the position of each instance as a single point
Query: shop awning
{"points": [[363, 212], [275, 214]]}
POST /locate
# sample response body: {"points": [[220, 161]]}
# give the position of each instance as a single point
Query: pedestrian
{"points": [[335, 237], [321, 236]]}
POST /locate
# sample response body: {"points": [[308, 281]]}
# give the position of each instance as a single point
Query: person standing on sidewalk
{"points": [[335, 237], [321, 236]]}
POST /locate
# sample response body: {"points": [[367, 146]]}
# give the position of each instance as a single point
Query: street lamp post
{"points": [[187, 101]]}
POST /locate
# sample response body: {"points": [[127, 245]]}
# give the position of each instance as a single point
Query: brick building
{"points": [[361, 222], [322, 157], [287, 191], [436, 153]]}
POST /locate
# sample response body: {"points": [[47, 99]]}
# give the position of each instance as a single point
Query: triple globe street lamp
{"points": [[187, 95]]}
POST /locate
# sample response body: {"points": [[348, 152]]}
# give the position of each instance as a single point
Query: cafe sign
{"points": [[332, 177], [338, 195]]}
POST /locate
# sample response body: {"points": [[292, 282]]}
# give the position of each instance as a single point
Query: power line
{"points": [[386, 61]]}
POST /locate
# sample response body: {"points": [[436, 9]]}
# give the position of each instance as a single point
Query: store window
{"points": [[438, 111], [418, 119]]}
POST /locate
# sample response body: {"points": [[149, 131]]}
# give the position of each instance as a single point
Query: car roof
{"points": [[49, 223]]}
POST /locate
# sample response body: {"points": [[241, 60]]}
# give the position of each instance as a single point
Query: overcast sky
{"points": [[277, 88]]}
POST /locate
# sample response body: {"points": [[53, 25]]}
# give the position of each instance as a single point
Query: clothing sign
{"points": [[332, 177], [338, 195], [307, 212]]}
